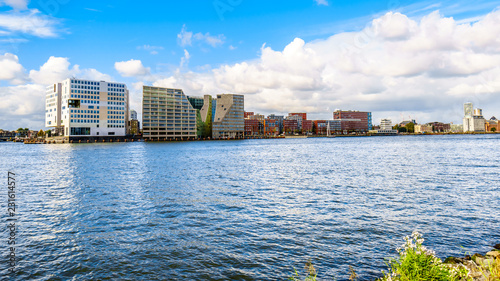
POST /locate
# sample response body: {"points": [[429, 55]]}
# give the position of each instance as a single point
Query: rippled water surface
{"points": [[246, 210]]}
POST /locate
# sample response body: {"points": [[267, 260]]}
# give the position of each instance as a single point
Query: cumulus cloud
{"points": [[30, 22], [54, 70], [186, 38], [425, 67], [132, 68], [11, 70]]}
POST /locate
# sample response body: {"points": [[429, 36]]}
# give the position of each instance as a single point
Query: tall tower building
{"points": [[468, 109], [83, 108], [473, 119]]}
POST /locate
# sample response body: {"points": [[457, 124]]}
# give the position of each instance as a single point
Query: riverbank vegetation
{"points": [[417, 263]]}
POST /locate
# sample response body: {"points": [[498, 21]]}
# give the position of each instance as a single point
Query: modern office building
{"points": [[228, 118], [77, 108], [354, 121], [167, 115], [473, 119]]}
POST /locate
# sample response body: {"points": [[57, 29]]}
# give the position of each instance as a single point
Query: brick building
{"points": [[354, 121]]}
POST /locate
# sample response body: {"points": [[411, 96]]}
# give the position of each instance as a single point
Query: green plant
{"points": [[310, 273], [416, 262]]}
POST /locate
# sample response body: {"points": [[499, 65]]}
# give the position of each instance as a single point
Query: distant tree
{"points": [[41, 133], [410, 127], [402, 129], [48, 133], [314, 129], [493, 129]]}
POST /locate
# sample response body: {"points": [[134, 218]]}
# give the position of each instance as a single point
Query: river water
{"points": [[246, 210]]}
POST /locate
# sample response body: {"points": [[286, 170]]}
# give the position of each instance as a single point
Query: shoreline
{"points": [[74, 140]]}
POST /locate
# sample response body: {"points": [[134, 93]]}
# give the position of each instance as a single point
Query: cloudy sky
{"points": [[398, 59]]}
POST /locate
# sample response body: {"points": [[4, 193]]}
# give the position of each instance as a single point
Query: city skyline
{"points": [[420, 59]]}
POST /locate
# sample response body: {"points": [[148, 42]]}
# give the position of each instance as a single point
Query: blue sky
{"points": [[190, 43]]}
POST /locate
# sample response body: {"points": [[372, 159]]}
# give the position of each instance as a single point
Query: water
{"points": [[246, 210]]}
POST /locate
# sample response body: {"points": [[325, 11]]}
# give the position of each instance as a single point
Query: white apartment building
{"points": [[84, 108]]}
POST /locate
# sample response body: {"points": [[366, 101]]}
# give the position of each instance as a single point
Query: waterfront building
{"points": [[167, 114], [134, 127], [307, 126], [492, 125], [406, 122], [290, 126], [298, 118], [271, 127], [87, 109], [456, 128], [280, 119], [386, 127], [354, 121], [229, 115], [423, 129], [439, 127], [473, 119], [252, 127], [322, 126]]}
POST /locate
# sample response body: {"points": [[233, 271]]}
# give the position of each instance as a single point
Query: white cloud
{"points": [[232, 48], [29, 22], [321, 2], [11, 70], [132, 68], [93, 74], [425, 67], [154, 50], [213, 41], [185, 59], [186, 38], [16, 4], [54, 70]]}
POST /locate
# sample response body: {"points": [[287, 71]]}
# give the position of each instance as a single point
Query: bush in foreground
{"points": [[415, 263]]}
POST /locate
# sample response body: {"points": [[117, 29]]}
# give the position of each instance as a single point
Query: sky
{"points": [[398, 59]]}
